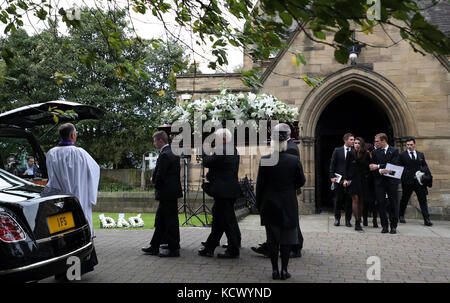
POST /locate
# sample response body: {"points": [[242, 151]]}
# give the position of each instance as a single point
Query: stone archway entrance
{"points": [[347, 92], [350, 112]]}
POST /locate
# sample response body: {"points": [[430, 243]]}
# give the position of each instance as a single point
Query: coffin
{"points": [[295, 133]]}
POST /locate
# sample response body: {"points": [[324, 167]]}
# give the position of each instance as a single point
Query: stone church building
{"points": [[390, 89]]}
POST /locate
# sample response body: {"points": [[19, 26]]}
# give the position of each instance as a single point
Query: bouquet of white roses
{"points": [[229, 106]]}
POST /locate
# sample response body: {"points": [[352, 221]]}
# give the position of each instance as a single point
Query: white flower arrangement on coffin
{"points": [[106, 222], [228, 106], [121, 222], [136, 221]]}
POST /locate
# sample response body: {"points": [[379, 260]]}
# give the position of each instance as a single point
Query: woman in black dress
{"points": [[357, 178], [276, 200]]}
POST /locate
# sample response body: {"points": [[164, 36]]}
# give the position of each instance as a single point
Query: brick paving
{"points": [[330, 254]]}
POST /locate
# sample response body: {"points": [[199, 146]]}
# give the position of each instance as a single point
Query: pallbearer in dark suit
{"points": [[292, 148], [223, 177], [338, 165], [383, 155], [166, 178], [276, 200], [413, 161]]}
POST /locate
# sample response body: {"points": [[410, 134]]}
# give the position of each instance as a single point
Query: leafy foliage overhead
{"points": [[268, 23], [48, 66]]}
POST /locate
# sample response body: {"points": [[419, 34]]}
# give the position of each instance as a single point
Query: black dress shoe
{"points": [[348, 224], [261, 250], [276, 275], [170, 253], [358, 226], [285, 275], [375, 224], [150, 250], [205, 253], [385, 230], [295, 254], [428, 222], [227, 255], [401, 219], [393, 231], [336, 222]]}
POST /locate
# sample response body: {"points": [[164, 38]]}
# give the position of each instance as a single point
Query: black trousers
{"points": [[224, 221], [387, 206], [167, 226], [370, 206], [341, 198], [421, 193]]}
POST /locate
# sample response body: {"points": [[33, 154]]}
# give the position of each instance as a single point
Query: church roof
{"points": [[438, 14]]}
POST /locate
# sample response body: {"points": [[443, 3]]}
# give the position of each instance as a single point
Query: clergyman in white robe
{"points": [[72, 171]]}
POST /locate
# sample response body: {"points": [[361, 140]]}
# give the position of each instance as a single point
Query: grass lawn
{"points": [[128, 191], [149, 219]]}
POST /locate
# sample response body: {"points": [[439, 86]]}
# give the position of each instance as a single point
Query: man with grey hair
{"points": [[292, 148], [224, 188], [72, 171]]}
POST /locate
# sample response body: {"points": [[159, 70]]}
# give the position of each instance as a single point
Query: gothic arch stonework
{"points": [[361, 80]]}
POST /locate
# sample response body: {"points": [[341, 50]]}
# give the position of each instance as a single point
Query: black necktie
{"points": [[412, 156]]}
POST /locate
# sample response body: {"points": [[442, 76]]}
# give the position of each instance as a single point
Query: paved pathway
{"points": [[330, 254]]}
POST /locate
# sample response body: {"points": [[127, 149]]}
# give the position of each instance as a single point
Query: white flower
{"points": [[106, 222], [235, 106], [136, 221], [121, 222]]}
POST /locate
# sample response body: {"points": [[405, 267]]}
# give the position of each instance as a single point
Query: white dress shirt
{"points": [[385, 152], [345, 151], [414, 153]]}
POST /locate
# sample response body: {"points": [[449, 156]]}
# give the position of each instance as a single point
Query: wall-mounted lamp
{"points": [[355, 49]]}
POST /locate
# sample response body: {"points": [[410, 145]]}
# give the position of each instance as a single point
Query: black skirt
{"points": [[283, 236]]}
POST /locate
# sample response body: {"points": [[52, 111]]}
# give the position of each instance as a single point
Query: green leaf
{"points": [[400, 15], [341, 55], [301, 58], [403, 34], [7, 55], [319, 34], [286, 17], [41, 14]]}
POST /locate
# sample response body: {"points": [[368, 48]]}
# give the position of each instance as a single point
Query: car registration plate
{"points": [[60, 222]]}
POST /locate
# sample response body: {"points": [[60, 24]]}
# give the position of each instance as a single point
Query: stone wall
{"points": [[129, 176]]}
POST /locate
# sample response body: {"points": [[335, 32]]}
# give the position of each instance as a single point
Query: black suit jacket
{"points": [[276, 186], [338, 162], [378, 157], [412, 166], [292, 148], [223, 174], [166, 176]]}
